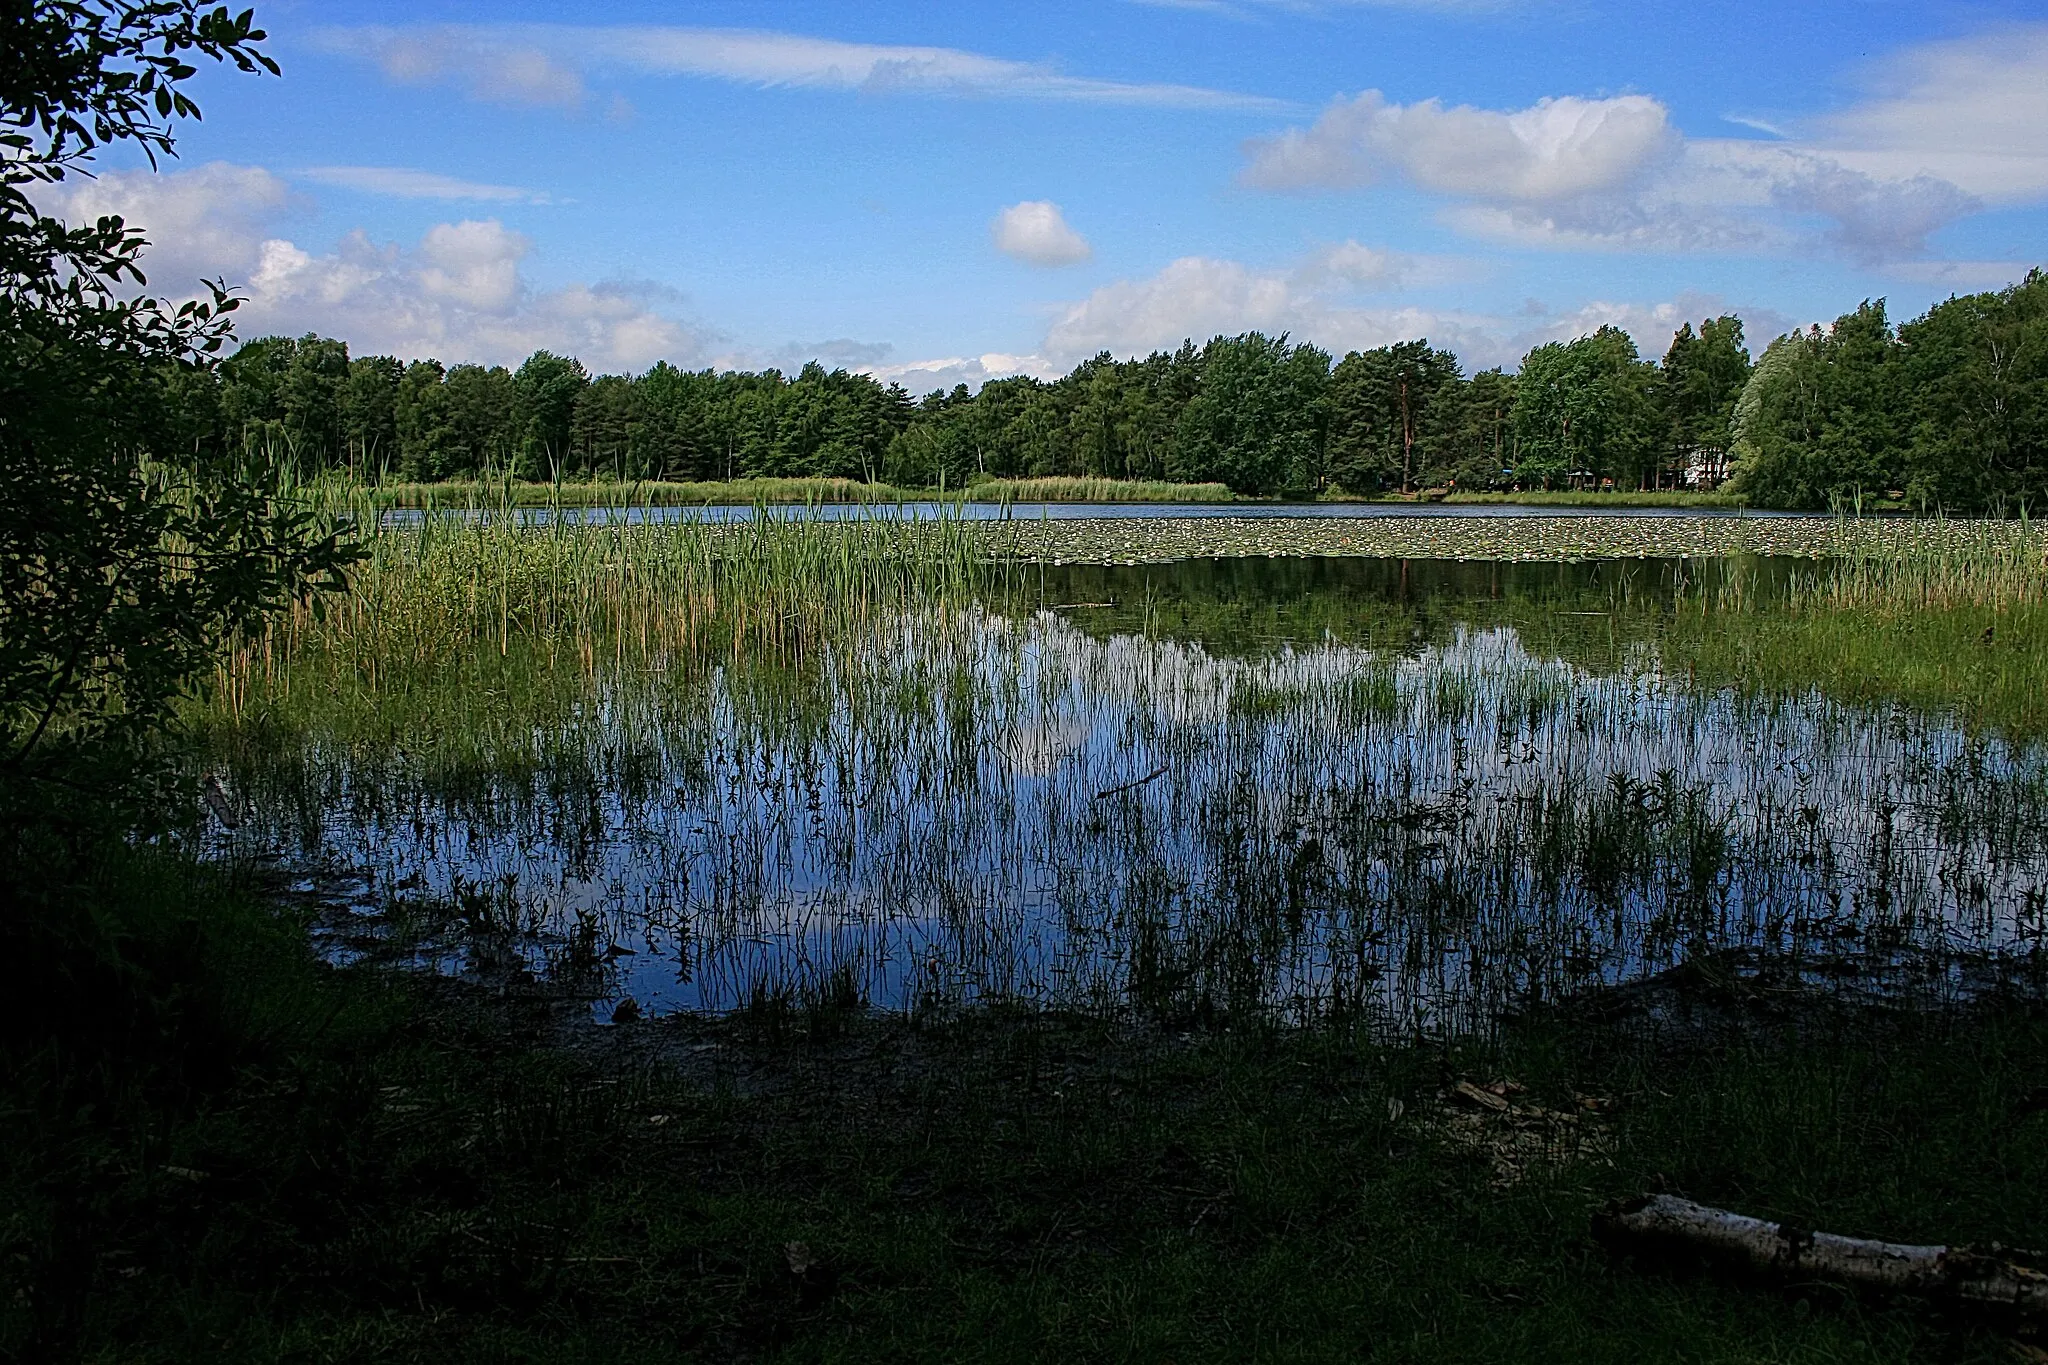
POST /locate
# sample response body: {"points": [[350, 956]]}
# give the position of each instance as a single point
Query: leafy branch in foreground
{"points": [[125, 561]]}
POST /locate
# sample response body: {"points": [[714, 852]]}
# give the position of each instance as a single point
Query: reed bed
{"points": [[470, 493], [2002, 565], [492, 492], [1064, 488], [446, 589], [1952, 619], [788, 758], [960, 806]]}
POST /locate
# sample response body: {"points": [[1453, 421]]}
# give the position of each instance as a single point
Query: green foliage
{"points": [[1584, 410], [545, 392], [130, 545], [1394, 410], [121, 574], [1699, 383], [1976, 369], [1951, 413], [1824, 424], [79, 75], [1256, 421]]}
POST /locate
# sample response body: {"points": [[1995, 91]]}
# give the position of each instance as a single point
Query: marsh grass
{"points": [[1075, 489], [446, 589], [1955, 624], [493, 492], [498, 492], [951, 806], [217, 1148]]}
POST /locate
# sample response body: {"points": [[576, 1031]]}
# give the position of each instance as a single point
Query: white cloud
{"points": [[200, 222], [1555, 149], [1570, 173], [944, 373], [459, 294], [1760, 125], [399, 182], [1196, 298], [1972, 111], [1036, 233], [550, 65], [1351, 265], [1872, 220]]}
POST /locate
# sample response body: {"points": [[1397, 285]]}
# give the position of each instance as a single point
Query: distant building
{"points": [[1703, 467]]}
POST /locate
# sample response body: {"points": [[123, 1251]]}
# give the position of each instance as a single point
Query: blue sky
{"points": [[939, 193]]}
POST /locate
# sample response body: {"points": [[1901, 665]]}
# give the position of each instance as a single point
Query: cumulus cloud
{"points": [[1036, 233], [1199, 297], [200, 222], [1555, 149], [946, 372], [459, 293], [550, 65], [1872, 220], [1610, 174], [397, 182]]}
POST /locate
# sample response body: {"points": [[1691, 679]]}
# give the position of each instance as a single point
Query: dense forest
{"points": [[1948, 411]]}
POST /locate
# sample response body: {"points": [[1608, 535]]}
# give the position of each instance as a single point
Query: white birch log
{"points": [[1989, 1278]]}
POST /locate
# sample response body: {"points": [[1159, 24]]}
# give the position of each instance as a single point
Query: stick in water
{"points": [[1152, 776]]}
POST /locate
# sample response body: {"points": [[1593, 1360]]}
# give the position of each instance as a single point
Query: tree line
{"points": [[1945, 411]]}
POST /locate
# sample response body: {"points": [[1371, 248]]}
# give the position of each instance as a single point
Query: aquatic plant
{"points": [[961, 805]]}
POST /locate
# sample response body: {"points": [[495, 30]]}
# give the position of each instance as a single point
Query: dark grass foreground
{"points": [[214, 1149]]}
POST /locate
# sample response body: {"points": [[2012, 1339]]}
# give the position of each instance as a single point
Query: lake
{"points": [[1423, 793]]}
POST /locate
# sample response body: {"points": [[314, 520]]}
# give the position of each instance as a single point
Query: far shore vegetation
{"points": [[1944, 413], [606, 491]]}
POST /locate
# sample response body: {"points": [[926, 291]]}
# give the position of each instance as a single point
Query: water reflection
{"points": [[1419, 793]]}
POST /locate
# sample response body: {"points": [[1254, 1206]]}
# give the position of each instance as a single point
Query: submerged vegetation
{"points": [[786, 766]]}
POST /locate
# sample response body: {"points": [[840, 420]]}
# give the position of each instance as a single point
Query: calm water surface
{"points": [[1422, 792]]}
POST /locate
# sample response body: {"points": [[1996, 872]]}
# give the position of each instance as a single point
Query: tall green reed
{"points": [[593, 586]]}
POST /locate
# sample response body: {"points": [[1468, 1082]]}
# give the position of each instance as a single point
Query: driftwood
{"points": [[1152, 776], [1992, 1278]]}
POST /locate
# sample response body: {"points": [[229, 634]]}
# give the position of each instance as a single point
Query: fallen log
{"points": [[1991, 1278]]}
